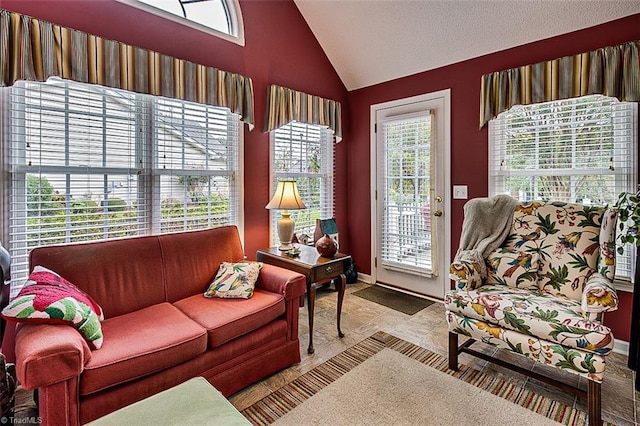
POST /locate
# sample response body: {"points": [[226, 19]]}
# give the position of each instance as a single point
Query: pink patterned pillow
{"points": [[48, 298]]}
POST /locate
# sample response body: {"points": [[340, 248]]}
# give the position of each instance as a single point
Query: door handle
{"points": [[437, 213]]}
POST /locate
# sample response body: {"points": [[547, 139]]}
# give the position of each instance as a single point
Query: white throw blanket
{"points": [[487, 222]]}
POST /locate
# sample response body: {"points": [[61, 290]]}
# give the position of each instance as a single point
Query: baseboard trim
{"points": [[621, 347], [364, 278]]}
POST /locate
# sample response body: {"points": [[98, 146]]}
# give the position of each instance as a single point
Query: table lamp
{"points": [[286, 198]]}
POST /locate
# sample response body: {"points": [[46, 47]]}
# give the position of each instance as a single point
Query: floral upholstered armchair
{"points": [[542, 294]]}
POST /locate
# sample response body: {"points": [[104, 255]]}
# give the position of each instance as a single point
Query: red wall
{"points": [[469, 150], [279, 49]]}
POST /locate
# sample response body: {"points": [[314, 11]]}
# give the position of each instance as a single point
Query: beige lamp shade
{"points": [[286, 197]]}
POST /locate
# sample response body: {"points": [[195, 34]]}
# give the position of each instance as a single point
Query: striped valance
{"points": [[285, 105], [612, 71], [35, 50]]}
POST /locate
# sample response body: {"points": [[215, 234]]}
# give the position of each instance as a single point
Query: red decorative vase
{"points": [[326, 246]]}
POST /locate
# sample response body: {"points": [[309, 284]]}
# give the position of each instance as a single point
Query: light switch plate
{"points": [[460, 192]]}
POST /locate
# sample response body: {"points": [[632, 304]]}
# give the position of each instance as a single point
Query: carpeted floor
{"points": [[393, 299], [391, 389], [279, 403]]}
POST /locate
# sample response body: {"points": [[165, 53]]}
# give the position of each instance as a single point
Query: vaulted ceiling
{"points": [[373, 41]]}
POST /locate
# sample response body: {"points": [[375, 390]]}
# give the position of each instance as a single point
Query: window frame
{"points": [[326, 176], [624, 180], [148, 219], [234, 14]]}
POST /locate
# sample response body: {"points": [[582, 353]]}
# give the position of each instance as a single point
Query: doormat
{"points": [[397, 300]]}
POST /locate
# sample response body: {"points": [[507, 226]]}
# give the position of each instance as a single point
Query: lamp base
{"points": [[285, 231], [285, 247]]}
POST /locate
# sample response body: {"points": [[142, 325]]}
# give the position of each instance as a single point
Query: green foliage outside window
{"points": [[196, 185], [557, 137], [42, 199], [49, 221], [408, 162], [207, 212]]}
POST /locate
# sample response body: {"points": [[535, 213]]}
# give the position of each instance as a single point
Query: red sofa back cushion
{"points": [[121, 275], [129, 274], [191, 259]]}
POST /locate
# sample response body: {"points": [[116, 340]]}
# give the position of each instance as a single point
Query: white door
{"points": [[411, 225]]}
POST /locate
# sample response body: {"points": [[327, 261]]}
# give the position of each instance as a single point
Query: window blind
{"points": [[304, 152], [197, 159], [576, 150], [90, 163], [406, 221]]}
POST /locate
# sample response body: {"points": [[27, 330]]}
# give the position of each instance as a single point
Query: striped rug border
{"points": [[283, 400]]}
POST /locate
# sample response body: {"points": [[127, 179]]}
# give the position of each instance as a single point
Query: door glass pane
{"points": [[406, 221]]}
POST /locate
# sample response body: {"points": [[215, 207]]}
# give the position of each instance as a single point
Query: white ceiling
{"points": [[373, 41]]}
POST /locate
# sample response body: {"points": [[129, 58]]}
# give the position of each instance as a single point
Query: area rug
{"points": [[427, 398], [393, 299]]}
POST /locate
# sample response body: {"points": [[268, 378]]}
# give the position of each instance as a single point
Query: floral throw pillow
{"points": [[513, 268], [48, 298], [234, 280]]}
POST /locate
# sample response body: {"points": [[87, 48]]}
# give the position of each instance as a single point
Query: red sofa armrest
{"points": [[281, 281], [48, 354]]}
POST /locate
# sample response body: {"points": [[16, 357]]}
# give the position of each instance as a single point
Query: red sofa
{"points": [[159, 329]]}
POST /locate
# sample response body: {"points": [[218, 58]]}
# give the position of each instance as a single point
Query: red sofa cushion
{"points": [[123, 275], [191, 259], [142, 343], [226, 319]]}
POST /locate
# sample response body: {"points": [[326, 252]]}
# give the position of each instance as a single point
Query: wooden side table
{"points": [[316, 269]]}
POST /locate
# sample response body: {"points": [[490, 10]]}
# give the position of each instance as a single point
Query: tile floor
{"points": [[361, 318]]}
